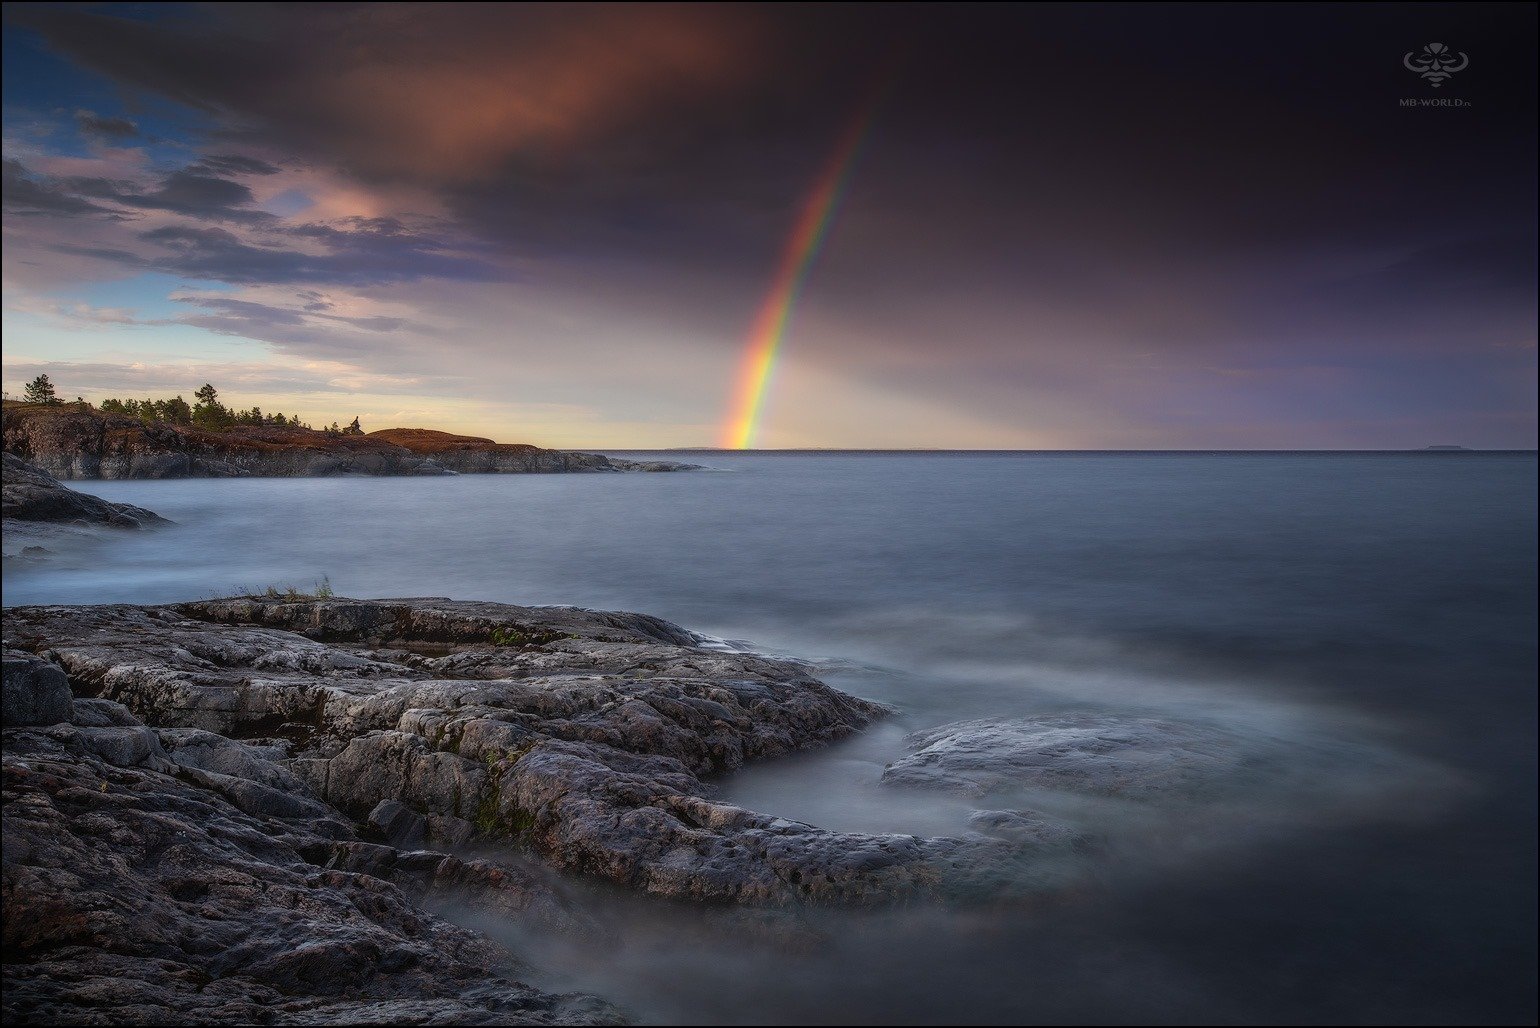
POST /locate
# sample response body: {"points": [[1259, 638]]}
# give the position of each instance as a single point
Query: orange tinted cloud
{"points": [[450, 99]]}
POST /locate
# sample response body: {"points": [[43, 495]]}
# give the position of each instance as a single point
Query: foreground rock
{"points": [[582, 735], [142, 886], [36, 692], [32, 494], [73, 441], [244, 809]]}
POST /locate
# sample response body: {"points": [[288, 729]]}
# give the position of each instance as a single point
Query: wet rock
{"points": [[1025, 826], [1105, 755]]}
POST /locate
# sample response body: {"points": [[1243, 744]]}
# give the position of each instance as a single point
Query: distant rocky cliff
{"points": [[31, 494], [73, 441]]}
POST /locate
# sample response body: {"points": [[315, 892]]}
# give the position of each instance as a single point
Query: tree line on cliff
{"points": [[207, 413]]}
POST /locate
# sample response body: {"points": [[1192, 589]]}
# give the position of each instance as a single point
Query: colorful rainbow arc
{"points": [[769, 326]]}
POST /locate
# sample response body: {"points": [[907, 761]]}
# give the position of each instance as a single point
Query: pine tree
{"points": [[209, 413], [178, 412], [40, 390]]}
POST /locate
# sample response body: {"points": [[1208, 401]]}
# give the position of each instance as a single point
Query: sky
{"points": [[1063, 226]]}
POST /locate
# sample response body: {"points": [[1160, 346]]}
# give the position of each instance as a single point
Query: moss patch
{"points": [[515, 635]]}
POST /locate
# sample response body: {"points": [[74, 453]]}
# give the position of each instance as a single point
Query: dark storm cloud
{"points": [[108, 129], [476, 82], [687, 130]]}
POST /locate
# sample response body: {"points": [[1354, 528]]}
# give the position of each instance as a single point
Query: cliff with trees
{"points": [[170, 438]]}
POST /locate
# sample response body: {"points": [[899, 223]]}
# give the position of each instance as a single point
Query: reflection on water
{"points": [[1359, 629]]}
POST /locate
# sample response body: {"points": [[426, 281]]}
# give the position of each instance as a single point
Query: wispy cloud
{"points": [[27, 194], [101, 127]]}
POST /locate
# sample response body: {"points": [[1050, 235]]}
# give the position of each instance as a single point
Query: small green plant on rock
{"points": [[510, 635], [322, 590]]}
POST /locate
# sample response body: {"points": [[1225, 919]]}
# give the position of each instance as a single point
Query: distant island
{"points": [[175, 439], [1445, 448]]}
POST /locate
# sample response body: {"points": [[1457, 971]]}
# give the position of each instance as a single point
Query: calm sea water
{"points": [[1372, 614]]}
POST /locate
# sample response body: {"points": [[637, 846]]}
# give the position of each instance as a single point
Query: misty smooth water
{"points": [[1369, 617]]}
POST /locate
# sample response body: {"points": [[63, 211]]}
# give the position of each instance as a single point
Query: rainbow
{"points": [[768, 330]]}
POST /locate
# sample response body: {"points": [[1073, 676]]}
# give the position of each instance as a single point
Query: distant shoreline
{"points": [[77, 441]]}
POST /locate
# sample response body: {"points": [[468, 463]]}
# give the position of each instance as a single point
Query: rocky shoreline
{"points": [[32, 494], [39, 513], [247, 810], [75, 441], [244, 807]]}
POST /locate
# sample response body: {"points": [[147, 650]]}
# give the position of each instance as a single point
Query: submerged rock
{"points": [[1135, 757], [1025, 826]]}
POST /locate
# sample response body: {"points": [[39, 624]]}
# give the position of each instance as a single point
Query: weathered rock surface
{"points": [[243, 814], [35, 691], [582, 735], [32, 494], [1133, 757], [173, 876], [72, 441]]}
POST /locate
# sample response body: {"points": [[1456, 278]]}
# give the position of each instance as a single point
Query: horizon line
{"points": [[1440, 449]]}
